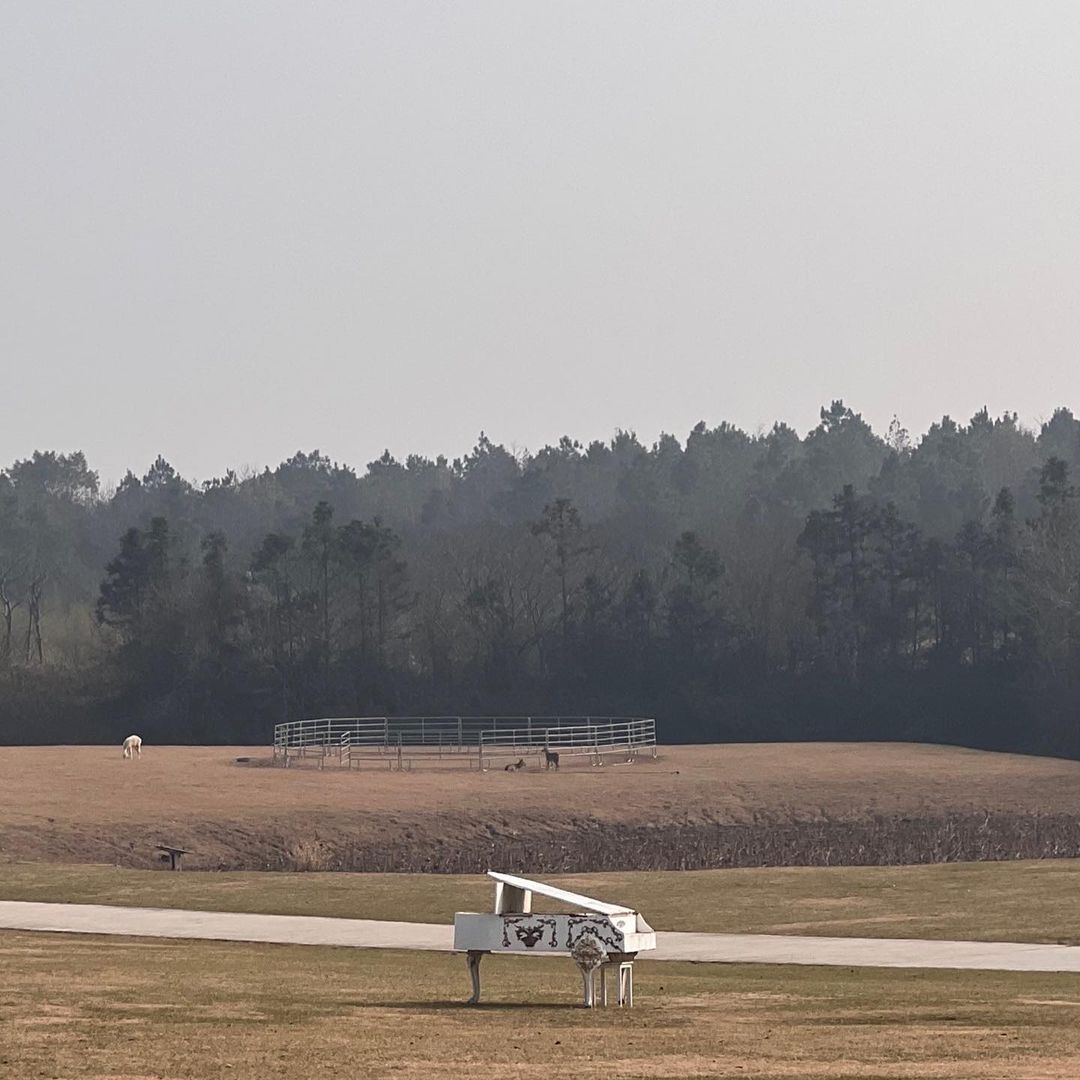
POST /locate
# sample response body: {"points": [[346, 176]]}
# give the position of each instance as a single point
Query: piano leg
{"points": [[589, 986], [473, 960]]}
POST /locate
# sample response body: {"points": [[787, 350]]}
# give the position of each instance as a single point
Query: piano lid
{"points": [[576, 900]]}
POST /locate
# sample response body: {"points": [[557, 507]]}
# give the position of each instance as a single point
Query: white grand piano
{"points": [[600, 937]]}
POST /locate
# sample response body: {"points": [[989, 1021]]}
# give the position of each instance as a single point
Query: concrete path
{"points": [[867, 952], [224, 926], [369, 934]]}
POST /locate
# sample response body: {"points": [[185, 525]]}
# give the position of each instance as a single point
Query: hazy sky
{"points": [[232, 230]]}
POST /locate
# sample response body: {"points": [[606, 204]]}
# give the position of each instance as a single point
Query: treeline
{"points": [[736, 586]]}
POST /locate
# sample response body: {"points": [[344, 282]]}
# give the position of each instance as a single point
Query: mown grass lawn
{"points": [[1018, 901]]}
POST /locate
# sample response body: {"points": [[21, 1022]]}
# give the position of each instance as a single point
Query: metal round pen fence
{"points": [[400, 742]]}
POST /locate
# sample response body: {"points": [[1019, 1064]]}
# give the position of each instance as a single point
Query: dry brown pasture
{"points": [[87, 804], [122, 1009], [83, 1008]]}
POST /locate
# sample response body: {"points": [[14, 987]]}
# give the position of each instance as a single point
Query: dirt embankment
{"points": [[693, 807]]}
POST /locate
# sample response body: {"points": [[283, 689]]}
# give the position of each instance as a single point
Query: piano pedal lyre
{"points": [[623, 970]]}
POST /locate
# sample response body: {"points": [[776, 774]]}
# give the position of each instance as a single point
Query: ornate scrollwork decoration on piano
{"points": [[529, 930], [579, 926]]}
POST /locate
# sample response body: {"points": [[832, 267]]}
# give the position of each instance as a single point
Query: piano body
{"points": [[600, 936]]}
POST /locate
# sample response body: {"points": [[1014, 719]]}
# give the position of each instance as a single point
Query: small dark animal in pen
{"points": [[551, 757], [519, 764]]}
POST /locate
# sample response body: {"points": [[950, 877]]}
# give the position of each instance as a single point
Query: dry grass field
{"points": [[87, 1009], [74, 804], [83, 1008]]}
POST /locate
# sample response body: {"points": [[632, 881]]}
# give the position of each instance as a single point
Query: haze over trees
{"points": [[840, 585]]}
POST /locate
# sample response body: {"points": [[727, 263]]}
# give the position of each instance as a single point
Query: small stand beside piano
{"points": [[600, 937]]}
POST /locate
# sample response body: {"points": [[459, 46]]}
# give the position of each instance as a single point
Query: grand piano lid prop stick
{"points": [[599, 936]]}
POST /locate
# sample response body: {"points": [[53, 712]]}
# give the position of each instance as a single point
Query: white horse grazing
{"points": [[133, 746]]}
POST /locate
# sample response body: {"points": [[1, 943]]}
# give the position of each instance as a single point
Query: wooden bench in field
{"points": [[173, 854]]}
